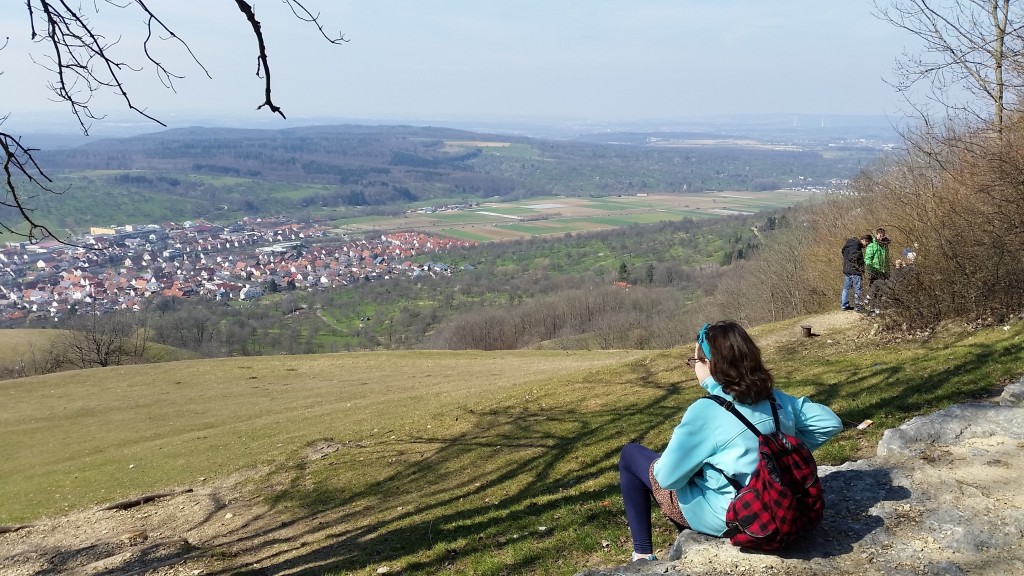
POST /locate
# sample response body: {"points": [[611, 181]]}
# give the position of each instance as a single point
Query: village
{"points": [[119, 268]]}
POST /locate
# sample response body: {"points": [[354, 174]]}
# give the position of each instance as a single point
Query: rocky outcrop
{"points": [[941, 497]]}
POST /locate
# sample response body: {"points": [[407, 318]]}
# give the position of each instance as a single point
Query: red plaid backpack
{"points": [[783, 498]]}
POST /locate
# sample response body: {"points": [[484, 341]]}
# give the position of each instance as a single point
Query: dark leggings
{"points": [[635, 484]]}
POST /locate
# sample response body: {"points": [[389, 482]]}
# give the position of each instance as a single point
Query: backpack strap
{"points": [[732, 410]]}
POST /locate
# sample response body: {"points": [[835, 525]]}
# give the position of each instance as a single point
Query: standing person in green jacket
{"points": [[876, 263]]}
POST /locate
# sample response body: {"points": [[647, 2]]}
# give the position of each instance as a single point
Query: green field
{"points": [[607, 205], [542, 228], [557, 215], [464, 235]]}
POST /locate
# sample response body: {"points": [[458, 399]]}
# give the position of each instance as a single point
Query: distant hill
{"points": [[197, 172]]}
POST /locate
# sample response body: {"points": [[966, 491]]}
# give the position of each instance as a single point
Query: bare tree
{"points": [[972, 51], [96, 340], [80, 59], [189, 328]]}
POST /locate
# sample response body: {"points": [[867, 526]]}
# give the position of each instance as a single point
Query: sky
{"points": [[593, 60]]}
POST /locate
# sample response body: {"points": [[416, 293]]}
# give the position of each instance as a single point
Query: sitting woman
{"points": [[690, 480]]}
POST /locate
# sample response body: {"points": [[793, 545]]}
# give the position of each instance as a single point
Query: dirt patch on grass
{"points": [[322, 448], [182, 534]]}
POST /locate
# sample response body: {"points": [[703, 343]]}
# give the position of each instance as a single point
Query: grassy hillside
{"points": [[15, 344], [482, 463], [89, 436]]}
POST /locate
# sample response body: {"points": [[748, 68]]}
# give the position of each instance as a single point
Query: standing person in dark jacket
{"points": [[853, 270]]}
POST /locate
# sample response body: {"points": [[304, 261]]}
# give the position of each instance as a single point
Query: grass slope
{"points": [[20, 344], [458, 463], [89, 436]]}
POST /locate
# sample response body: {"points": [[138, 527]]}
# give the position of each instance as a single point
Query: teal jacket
{"points": [[710, 442], [876, 257]]}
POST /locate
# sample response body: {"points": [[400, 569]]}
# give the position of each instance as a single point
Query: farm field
{"points": [[496, 221]]}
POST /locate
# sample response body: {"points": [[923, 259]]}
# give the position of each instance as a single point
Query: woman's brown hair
{"points": [[736, 362]]}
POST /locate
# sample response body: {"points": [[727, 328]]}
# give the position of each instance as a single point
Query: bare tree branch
{"points": [[262, 62], [302, 13], [80, 57], [18, 162], [971, 47]]}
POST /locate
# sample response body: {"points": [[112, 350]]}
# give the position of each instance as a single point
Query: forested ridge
{"points": [[343, 171]]}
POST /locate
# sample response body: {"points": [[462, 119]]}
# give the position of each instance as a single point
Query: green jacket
{"points": [[876, 257]]}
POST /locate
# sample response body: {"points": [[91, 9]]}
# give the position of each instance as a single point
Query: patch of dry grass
{"points": [[29, 352]]}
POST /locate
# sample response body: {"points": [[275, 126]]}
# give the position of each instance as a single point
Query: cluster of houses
{"points": [[118, 268], [445, 208]]}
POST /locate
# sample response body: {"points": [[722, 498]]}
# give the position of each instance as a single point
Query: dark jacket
{"points": [[853, 257]]}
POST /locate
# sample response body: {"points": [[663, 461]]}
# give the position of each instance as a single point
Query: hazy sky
{"points": [[601, 60]]}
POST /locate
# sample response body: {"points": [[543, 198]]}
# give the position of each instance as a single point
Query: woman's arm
{"points": [[690, 446], [815, 423]]}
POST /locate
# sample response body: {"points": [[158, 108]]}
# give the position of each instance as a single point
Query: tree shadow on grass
{"points": [[909, 387], [520, 465], [475, 497]]}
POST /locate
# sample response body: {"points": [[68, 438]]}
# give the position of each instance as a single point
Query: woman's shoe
{"points": [[643, 557]]}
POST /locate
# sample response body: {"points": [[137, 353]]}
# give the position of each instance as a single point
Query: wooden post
{"points": [[807, 330]]}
